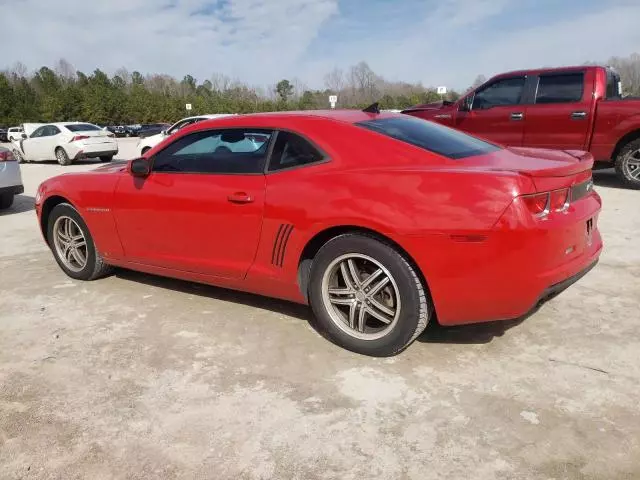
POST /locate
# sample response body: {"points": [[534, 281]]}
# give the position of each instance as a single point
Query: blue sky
{"points": [[445, 42]]}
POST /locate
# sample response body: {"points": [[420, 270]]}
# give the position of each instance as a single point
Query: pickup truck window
{"points": [[560, 88], [614, 86], [506, 91], [430, 136]]}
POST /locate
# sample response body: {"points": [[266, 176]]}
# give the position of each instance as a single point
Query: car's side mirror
{"points": [[164, 133], [24, 136], [467, 103], [140, 167]]}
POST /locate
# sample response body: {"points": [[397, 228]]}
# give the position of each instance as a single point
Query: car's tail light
{"points": [[538, 203], [541, 204], [7, 156], [559, 200], [77, 138]]}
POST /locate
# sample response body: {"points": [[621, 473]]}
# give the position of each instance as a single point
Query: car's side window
{"points": [[51, 131], [38, 132], [291, 150], [506, 91], [229, 151], [560, 88]]}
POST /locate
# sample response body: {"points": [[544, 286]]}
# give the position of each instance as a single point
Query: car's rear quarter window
{"points": [[430, 136]]}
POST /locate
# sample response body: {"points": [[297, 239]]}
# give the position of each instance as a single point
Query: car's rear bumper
{"points": [[505, 273], [77, 152], [13, 190]]}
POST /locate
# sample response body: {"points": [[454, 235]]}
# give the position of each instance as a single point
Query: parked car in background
{"points": [[379, 221], [570, 108], [3, 135], [10, 178], [147, 143], [149, 129], [14, 133], [66, 142]]}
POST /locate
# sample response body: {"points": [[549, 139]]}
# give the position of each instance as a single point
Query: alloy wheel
{"points": [[361, 296], [631, 165], [70, 243]]}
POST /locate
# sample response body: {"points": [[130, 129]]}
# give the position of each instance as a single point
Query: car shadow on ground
{"points": [[608, 178], [21, 203], [295, 310], [435, 333]]}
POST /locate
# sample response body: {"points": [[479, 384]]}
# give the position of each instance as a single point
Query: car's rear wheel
{"points": [[106, 158], [627, 164], [72, 244], [62, 157], [366, 296], [6, 200]]}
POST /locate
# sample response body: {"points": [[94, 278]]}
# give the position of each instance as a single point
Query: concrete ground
{"points": [[141, 377]]}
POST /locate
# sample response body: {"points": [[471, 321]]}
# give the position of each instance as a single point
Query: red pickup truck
{"points": [[571, 108]]}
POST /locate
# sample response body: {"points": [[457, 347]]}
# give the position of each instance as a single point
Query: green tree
{"points": [[284, 89]]}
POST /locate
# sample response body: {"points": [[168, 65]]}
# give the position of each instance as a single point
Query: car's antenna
{"points": [[373, 108]]}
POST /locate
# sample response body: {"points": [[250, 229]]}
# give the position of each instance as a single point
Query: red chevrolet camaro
{"points": [[381, 222]]}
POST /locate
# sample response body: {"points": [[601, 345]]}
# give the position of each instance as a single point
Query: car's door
{"points": [[561, 114], [33, 147], [50, 140], [201, 208], [496, 113]]}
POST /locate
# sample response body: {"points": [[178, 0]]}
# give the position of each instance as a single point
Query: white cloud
{"points": [[255, 40], [261, 41]]}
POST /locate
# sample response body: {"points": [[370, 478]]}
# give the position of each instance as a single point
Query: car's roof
{"points": [[344, 116], [535, 71]]}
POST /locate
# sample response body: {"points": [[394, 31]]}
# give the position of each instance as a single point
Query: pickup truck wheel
{"points": [[628, 164]]}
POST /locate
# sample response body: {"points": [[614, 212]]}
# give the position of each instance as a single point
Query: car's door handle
{"points": [[240, 197], [579, 115], [517, 116]]}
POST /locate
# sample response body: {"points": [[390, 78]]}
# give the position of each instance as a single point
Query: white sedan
{"points": [[66, 142], [147, 143]]}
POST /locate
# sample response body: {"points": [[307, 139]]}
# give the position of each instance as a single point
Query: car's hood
{"points": [[157, 138]]}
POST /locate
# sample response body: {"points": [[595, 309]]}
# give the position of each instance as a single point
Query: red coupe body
{"points": [[492, 231]]}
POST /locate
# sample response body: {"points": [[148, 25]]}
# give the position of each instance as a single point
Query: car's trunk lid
{"points": [[548, 169]]}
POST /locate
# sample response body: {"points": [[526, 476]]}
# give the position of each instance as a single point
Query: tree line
{"points": [[61, 93]]}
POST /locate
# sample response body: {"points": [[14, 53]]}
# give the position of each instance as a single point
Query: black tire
{"points": [[626, 172], [18, 156], [62, 157], [6, 201], [415, 304], [106, 158], [95, 267]]}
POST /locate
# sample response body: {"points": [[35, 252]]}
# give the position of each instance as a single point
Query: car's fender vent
{"points": [[280, 244]]}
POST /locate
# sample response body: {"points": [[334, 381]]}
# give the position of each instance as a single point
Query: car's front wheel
{"points": [[366, 296], [72, 244]]}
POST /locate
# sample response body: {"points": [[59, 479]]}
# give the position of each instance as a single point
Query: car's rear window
{"points": [[81, 127], [430, 136]]}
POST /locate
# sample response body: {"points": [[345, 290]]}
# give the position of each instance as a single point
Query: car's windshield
{"points": [[430, 136], [81, 127]]}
